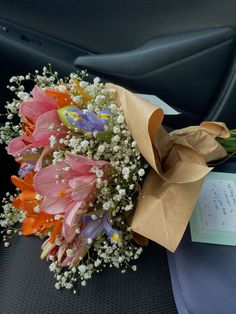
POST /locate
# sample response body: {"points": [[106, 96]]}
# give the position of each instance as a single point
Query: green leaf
{"points": [[104, 136]]}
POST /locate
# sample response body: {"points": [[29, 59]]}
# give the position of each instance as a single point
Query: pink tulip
{"points": [[67, 187]]}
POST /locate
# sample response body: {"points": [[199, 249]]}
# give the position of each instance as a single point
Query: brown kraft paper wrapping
{"points": [[178, 161]]}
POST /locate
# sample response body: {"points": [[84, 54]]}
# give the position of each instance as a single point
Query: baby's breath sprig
{"points": [[10, 219]]}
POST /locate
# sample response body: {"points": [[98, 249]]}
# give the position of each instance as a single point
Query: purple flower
{"points": [[104, 115], [94, 227], [86, 120], [24, 170]]}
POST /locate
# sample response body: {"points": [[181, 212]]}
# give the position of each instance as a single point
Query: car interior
{"points": [[183, 52]]}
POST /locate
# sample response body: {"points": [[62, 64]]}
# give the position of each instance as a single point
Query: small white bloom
{"points": [[38, 197], [84, 144], [116, 148], [128, 207], [69, 252], [93, 169], [126, 172], [36, 209], [73, 270], [97, 262], [52, 267], [131, 187], [106, 205], [121, 258], [62, 88], [99, 99], [77, 99], [83, 84], [90, 107], [96, 80], [13, 79], [101, 148], [116, 130], [141, 172], [57, 286], [113, 107], [82, 269], [68, 285], [98, 183], [116, 138], [22, 95], [122, 192], [58, 216], [120, 119], [99, 173], [89, 241], [53, 141]]}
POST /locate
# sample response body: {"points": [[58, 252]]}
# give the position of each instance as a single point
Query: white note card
{"points": [[214, 217], [168, 110]]}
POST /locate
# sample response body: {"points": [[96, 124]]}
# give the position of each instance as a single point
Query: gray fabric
{"points": [[203, 277], [27, 286]]}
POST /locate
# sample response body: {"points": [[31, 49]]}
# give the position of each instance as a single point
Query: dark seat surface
{"points": [[27, 286]]}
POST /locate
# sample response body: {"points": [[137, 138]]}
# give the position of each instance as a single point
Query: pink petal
{"points": [[82, 187], [62, 249], [68, 232], [42, 133], [46, 150], [83, 164], [39, 95], [20, 144], [75, 260], [48, 181], [55, 205], [70, 215], [35, 107], [47, 247], [66, 262], [68, 227], [81, 252]]}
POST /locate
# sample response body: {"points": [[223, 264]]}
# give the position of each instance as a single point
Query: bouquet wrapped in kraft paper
{"points": [[98, 170], [178, 163]]}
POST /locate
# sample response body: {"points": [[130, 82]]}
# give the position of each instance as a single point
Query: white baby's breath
{"points": [[115, 188]]}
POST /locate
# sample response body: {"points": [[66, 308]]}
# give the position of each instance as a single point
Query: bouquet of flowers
{"points": [[98, 172]]}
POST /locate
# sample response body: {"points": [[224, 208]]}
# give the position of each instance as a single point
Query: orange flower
{"points": [[28, 126], [34, 222], [81, 91], [62, 98]]}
